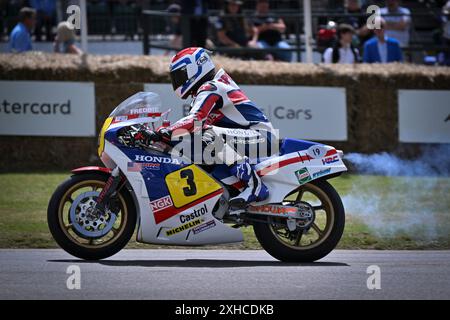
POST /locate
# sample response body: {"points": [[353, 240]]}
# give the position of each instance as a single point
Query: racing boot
{"points": [[255, 189]]}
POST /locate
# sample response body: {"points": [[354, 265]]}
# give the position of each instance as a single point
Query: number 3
{"points": [[191, 189]]}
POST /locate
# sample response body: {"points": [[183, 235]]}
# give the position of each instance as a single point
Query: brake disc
{"points": [[85, 221]]}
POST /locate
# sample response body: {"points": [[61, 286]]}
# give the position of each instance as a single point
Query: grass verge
{"points": [[382, 212]]}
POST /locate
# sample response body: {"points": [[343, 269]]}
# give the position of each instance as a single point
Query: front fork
{"points": [[109, 190]]}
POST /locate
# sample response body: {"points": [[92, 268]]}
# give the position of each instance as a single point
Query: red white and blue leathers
{"points": [[220, 102]]}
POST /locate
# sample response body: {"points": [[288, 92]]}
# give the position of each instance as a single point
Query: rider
{"points": [[218, 101]]}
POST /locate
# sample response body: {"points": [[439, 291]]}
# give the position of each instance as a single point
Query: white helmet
{"points": [[189, 69]]}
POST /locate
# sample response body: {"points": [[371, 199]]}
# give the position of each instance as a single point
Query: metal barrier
{"points": [[150, 26], [294, 21], [149, 35]]}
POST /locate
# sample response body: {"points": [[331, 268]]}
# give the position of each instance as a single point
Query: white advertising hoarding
{"points": [[314, 113], [47, 108], [424, 116]]}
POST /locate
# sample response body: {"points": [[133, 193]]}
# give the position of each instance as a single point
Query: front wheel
{"points": [[313, 241], [82, 232]]}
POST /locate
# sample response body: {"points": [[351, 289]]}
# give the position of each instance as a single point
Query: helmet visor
{"points": [[179, 77]]}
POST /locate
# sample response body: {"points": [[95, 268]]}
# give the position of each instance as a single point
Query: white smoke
{"points": [[434, 162], [396, 196]]}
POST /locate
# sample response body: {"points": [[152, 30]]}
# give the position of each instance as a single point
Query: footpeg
{"points": [[236, 212]]}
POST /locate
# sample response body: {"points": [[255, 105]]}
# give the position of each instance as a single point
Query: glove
{"points": [[208, 137], [146, 137], [165, 135]]}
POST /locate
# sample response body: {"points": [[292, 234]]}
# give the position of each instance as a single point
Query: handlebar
{"points": [[127, 137]]}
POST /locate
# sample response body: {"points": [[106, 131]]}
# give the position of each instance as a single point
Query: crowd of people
{"points": [[20, 38], [232, 29], [381, 40], [38, 16], [348, 38]]}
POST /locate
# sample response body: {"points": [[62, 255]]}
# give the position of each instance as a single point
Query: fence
{"points": [[113, 21], [423, 35]]}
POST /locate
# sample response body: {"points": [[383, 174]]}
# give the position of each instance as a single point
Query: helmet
{"points": [[189, 69]]}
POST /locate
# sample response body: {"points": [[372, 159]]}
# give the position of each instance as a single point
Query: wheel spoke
{"points": [[321, 207], [298, 238], [300, 194], [316, 228], [114, 231], [68, 226]]}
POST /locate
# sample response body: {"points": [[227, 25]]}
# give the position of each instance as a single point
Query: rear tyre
{"points": [[81, 235], [310, 244]]}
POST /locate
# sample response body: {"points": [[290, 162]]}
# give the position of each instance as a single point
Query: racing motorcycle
{"points": [[168, 200]]}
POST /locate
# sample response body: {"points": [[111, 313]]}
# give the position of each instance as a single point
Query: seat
{"points": [[288, 145]]}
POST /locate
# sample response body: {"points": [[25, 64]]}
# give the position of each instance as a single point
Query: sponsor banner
{"points": [[194, 214], [161, 204], [138, 167], [330, 160], [303, 175], [424, 116], [203, 227], [274, 209], [184, 227], [315, 113], [321, 173], [144, 160], [47, 108]]}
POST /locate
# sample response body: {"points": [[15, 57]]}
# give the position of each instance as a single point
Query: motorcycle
{"points": [[168, 200]]}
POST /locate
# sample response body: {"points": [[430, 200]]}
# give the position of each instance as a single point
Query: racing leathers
{"points": [[221, 103]]}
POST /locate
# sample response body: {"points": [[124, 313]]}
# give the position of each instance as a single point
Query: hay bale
{"points": [[371, 97]]}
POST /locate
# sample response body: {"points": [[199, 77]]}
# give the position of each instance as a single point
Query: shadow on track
{"points": [[201, 263]]}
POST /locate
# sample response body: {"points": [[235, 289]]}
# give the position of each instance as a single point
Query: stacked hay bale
{"points": [[372, 110]]}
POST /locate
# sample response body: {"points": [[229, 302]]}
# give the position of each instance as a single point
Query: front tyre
{"points": [[311, 243], [81, 233]]}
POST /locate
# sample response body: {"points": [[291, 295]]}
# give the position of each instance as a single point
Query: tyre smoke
{"points": [[400, 197]]}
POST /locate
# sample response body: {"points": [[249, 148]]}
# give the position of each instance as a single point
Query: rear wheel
{"points": [[312, 241], [78, 230]]}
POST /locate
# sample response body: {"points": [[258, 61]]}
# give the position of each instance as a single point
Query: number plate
{"points": [[189, 184]]}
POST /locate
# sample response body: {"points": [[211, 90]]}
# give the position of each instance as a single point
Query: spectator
{"points": [[11, 13], [174, 28], [195, 20], [382, 48], [65, 39], [397, 26], [269, 30], [326, 35], [232, 31], [20, 37], [3, 11], [358, 20], [444, 57], [343, 51], [446, 23], [46, 17]]}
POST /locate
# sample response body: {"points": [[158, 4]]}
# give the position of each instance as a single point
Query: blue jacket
{"points": [[20, 39], [372, 54]]}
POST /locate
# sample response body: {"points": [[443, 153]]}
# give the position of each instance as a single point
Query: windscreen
{"points": [[143, 107]]}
